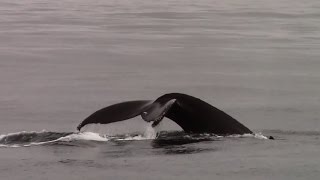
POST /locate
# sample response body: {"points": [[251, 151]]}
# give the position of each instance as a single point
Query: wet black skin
{"points": [[196, 116], [191, 114]]}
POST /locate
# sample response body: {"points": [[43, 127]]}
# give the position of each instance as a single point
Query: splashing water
{"points": [[150, 132], [26, 139], [88, 136]]}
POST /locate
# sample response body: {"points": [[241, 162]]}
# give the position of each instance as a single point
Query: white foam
{"points": [[2, 136], [35, 143], [131, 138], [260, 136], [89, 136], [21, 133], [11, 146], [255, 135], [150, 133], [27, 145]]}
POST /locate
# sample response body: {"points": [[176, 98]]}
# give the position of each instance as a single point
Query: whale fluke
{"points": [[190, 113], [117, 112]]}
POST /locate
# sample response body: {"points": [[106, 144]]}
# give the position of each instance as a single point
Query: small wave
{"points": [[292, 132], [255, 135], [278, 132], [32, 138], [25, 139]]}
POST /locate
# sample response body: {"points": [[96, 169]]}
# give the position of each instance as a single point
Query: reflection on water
{"points": [[181, 138], [183, 149], [183, 143], [76, 162]]}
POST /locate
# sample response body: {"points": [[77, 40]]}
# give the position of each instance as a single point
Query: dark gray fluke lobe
{"points": [[190, 113], [117, 112]]}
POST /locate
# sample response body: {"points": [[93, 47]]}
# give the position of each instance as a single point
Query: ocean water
{"points": [[62, 60]]}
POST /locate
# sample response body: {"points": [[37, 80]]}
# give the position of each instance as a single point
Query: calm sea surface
{"points": [[258, 60]]}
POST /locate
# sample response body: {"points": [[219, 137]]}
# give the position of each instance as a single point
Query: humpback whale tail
{"points": [[190, 113]]}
